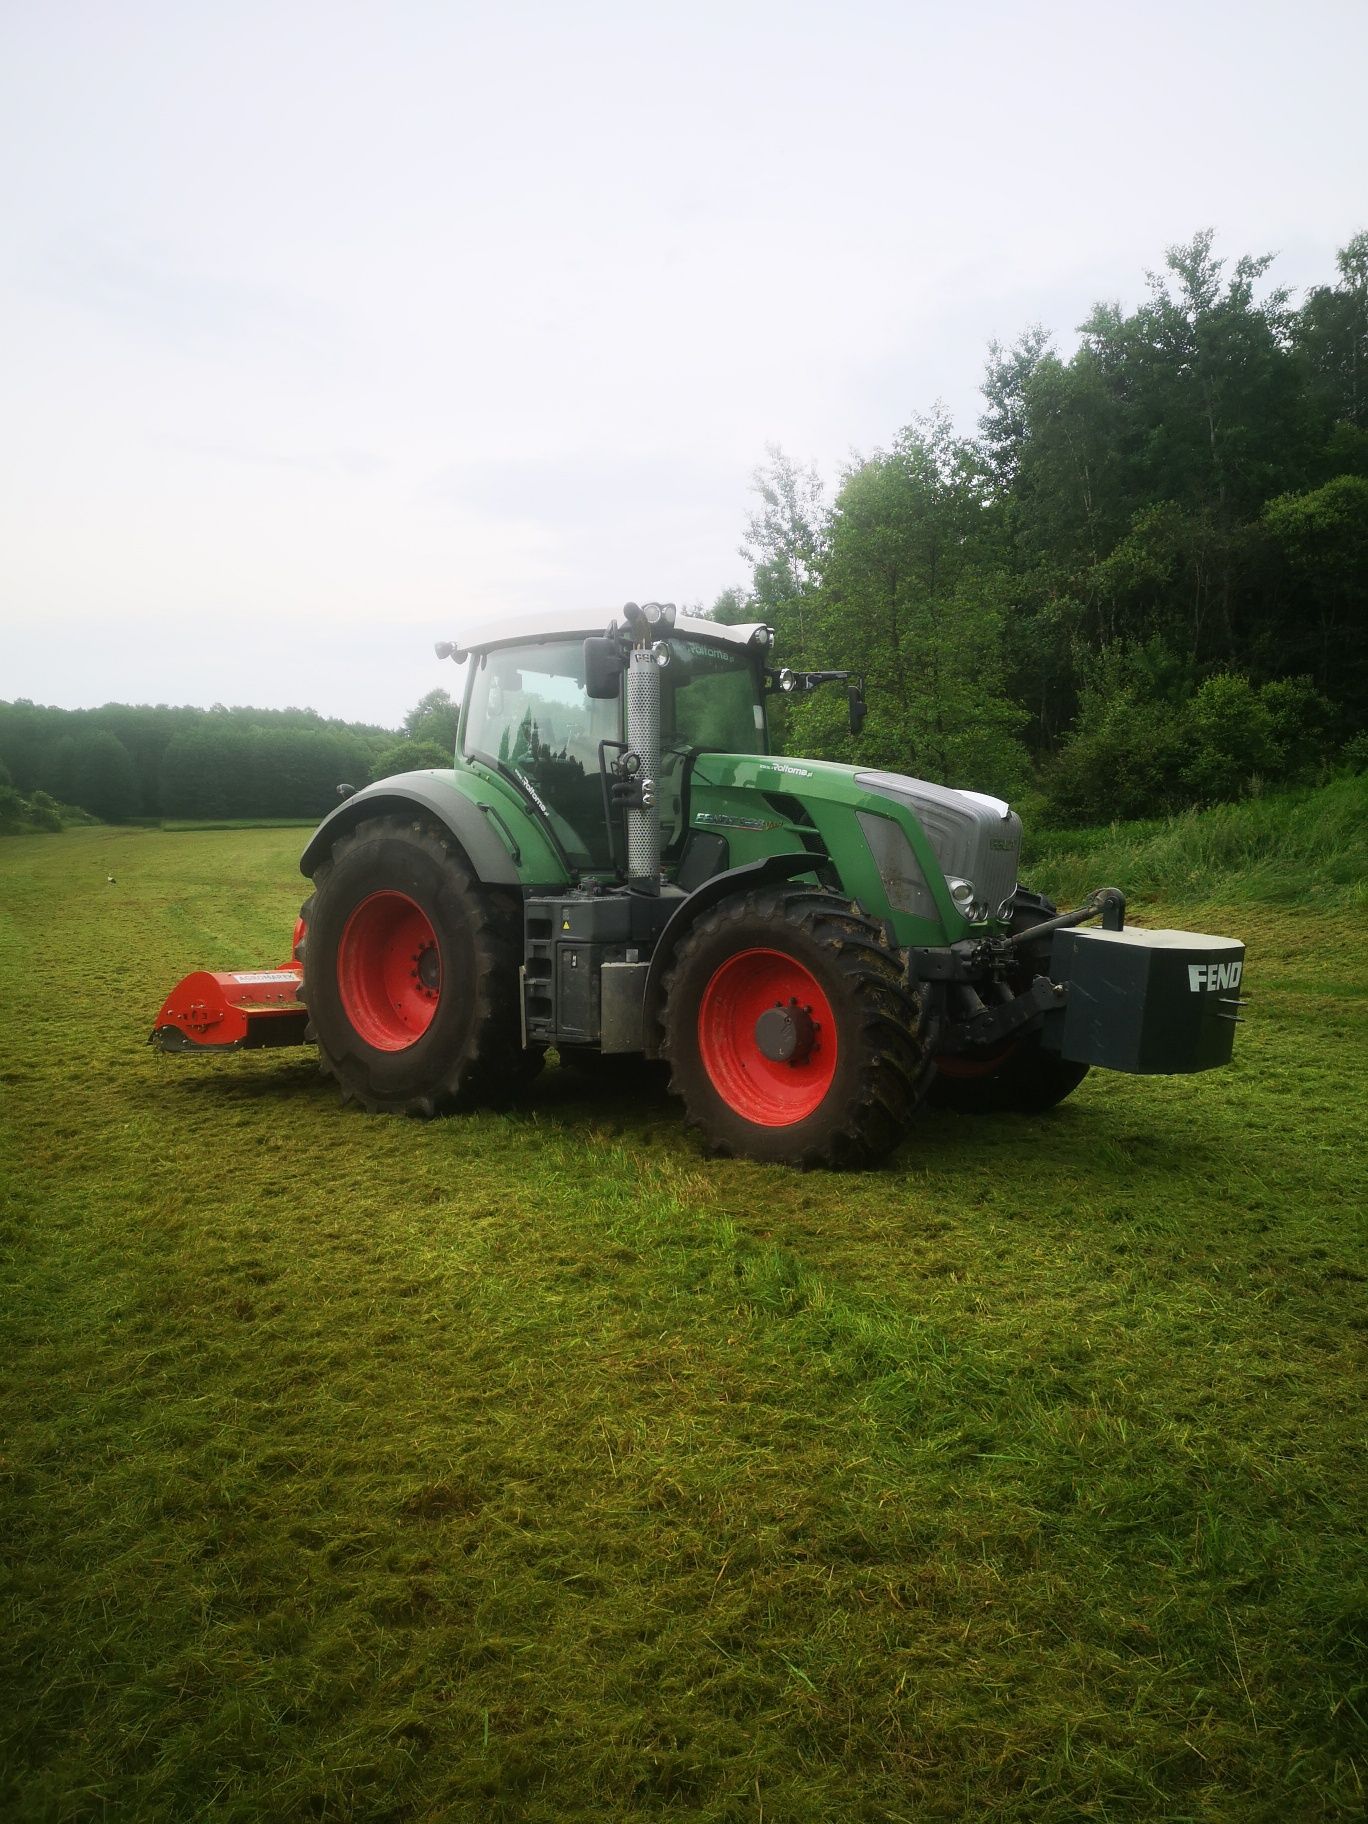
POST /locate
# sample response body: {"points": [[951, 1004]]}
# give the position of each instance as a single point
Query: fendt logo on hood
{"points": [[1214, 975]]}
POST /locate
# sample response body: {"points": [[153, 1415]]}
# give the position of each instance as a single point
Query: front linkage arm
{"points": [[1109, 902], [991, 961]]}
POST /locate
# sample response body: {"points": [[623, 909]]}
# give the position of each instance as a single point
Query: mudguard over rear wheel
{"points": [[411, 973], [792, 1032]]}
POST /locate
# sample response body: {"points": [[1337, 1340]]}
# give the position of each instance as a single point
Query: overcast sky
{"points": [[325, 326]]}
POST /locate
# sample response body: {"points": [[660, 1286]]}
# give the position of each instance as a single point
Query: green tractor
{"points": [[616, 866]]}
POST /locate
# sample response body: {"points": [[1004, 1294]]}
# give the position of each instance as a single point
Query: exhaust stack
{"points": [[643, 740], [650, 626]]}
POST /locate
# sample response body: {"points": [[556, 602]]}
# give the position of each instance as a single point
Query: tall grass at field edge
{"points": [[1290, 848]]}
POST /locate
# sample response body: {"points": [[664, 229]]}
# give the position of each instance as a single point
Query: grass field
{"points": [[531, 1466]]}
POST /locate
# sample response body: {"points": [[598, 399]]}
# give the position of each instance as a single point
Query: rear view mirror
{"points": [[855, 697], [602, 667]]}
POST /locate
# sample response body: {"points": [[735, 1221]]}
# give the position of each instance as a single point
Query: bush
{"points": [[20, 815], [43, 812], [1301, 718], [1231, 739], [1125, 759], [1132, 754], [13, 811], [408, 757]]}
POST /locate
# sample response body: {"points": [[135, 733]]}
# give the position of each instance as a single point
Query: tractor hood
{"points": [[972, 837]]}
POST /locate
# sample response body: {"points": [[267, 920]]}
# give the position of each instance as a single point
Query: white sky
{"points": [[325, 325]]}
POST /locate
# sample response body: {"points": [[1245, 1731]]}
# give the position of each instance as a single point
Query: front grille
{"points": [[975, 837]]}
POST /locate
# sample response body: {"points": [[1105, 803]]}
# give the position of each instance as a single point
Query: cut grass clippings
{"points": [[531, 1466]]}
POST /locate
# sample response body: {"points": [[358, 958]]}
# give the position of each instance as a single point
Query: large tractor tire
{"points": [[792, 1032], [1021, 1077], [411, 973]]}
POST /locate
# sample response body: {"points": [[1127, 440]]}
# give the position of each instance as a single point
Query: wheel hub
{"points": [[786, 1033]]}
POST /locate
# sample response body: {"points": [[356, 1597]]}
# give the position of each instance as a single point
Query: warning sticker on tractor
{"points": [[263, 975]]}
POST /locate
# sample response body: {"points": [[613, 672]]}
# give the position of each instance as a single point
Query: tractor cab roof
{"points": [[572, 623]]}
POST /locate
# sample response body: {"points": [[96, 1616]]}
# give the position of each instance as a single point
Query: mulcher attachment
{"points": [[233, 1012]]}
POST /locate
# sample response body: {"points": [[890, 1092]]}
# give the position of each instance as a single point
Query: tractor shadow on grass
{"points": [[1098, 1145], [239, 1081], [604, 1094], [1105, 1140], [570, 1097], [1102, 1145]]}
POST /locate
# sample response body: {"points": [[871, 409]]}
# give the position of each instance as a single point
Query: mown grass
{"points": [[530, 1466]]}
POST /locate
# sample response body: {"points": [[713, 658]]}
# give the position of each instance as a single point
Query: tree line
{"points": [[1141, 583], [125, 762]]}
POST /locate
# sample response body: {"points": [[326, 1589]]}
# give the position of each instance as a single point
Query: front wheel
{"points": [[792, 1032], [1023, 1079], [411, 973]]}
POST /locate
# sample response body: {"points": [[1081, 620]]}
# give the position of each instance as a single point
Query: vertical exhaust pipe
{"points": [[643, 738], [645, 662]]}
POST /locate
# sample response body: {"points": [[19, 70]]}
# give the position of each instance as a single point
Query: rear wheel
{"points": [[793, 1033], [1021, 1077], [411, 973]]}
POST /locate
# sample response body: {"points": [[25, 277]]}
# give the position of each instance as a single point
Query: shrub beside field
{"points": [[530, 1466]]}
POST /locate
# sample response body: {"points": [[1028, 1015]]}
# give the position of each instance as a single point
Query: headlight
{"points": [[965, 898]]}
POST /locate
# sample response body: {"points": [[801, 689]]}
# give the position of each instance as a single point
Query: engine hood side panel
{"points": [[835, 798]]}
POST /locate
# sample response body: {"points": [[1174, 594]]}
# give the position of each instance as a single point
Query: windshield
{"points": [[712, 699], [528, 711]]}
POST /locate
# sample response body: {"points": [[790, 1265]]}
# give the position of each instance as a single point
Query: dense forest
{"points": [[1141, 585]]}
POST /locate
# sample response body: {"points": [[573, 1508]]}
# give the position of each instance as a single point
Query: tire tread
{"points": [[493, 1065], [891, 1028]]}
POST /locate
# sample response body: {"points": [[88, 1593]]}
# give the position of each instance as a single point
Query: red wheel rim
{"points": [[389, 971], [768, 1091]]}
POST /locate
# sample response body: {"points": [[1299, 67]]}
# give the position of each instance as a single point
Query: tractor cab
{"points": [[529, 715]]}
